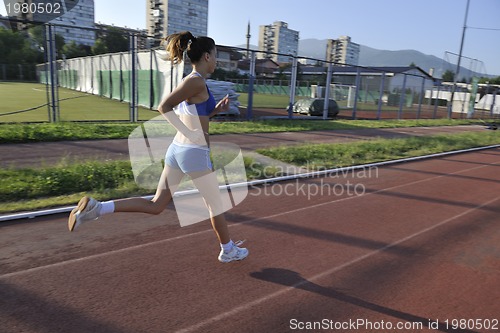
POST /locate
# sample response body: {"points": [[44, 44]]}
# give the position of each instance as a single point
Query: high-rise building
{"points": [[278, 38], [342, 51], [78, 21], [165, 17]]}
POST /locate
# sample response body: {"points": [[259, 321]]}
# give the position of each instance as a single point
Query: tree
{"points": [[219, 74], [490, 80], [18, 49], [281, 74], [115, 40], [99, 47], [73, 50], [448, 76], [37, 33], [19, 53]]}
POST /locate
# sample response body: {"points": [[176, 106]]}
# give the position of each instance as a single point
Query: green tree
{"points": [[116, 41], [73, 50], [17, 48], [37, 33], [281, 71], [448, 76], [219, 74], [490, 80], [99, 47], [20, 54]]}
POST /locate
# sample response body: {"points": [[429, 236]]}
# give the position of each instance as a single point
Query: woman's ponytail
{"points": [[178, 43]]}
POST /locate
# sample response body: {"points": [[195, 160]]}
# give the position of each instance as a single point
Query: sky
{"points": [[432, 27]]}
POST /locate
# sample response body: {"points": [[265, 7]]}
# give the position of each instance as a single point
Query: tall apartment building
{"points": [[278, 38], [342, 51], [165, 17], [81, 17]]}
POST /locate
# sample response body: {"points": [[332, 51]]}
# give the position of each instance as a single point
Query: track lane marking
{"points": [[140, 246], [332, 270]]}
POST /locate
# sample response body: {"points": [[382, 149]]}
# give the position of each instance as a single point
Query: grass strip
{"points": [[53, 181], [29, 189], [19, 133], [64, 131], [326, 156]]}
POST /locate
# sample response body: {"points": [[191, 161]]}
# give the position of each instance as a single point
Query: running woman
{"points": [[188, 154]]}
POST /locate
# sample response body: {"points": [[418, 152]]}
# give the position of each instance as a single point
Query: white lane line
{"points": [[136, 247], [342, 170], [332, 270]]}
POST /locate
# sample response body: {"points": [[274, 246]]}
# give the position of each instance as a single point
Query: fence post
{"points": [[110, 66], [51, 60], [326, 103], [403, 97], [421, 97], [100, 77], [493, 103], [21, 76], [151, 83], [293, 85], [381, 96], [356, 93], [92, 75], [487, 89], [121, 77], [250, 86], [133, 78], [436, 102]]}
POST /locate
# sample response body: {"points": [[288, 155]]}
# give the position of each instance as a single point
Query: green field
{"points": [[266, 101], [74, 105], [79, 106]]}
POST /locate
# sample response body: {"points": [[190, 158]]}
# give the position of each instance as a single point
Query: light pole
{"points": [[450, 107]]}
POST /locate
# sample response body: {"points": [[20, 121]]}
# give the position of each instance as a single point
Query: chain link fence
{"points": [[129, 85]]}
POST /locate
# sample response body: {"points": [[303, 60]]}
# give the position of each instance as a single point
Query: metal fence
{"points": [[128, 86]]}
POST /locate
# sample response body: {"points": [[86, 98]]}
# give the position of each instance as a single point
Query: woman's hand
{"points": [[222, 106]]}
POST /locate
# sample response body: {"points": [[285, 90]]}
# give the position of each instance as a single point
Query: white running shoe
{"points": [[236, 253], [86, 210]]}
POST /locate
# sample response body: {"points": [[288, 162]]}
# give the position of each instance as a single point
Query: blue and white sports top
{"points": [[197, 109]]}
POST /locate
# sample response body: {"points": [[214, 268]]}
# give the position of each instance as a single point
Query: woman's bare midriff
{"points": [[201, 123]]}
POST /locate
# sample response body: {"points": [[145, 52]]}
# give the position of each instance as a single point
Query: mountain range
{"points": [[316, 48]]}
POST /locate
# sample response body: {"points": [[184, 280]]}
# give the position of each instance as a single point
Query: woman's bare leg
{"points": [[168, 184], [206, 182]]}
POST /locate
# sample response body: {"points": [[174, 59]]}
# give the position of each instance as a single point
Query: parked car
{"points": [[314, 107]]}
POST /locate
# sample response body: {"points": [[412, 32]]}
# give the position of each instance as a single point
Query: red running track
{"points": [[420, 247]]}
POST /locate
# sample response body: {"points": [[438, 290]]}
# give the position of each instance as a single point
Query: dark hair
{"points": [[177, 43]]}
